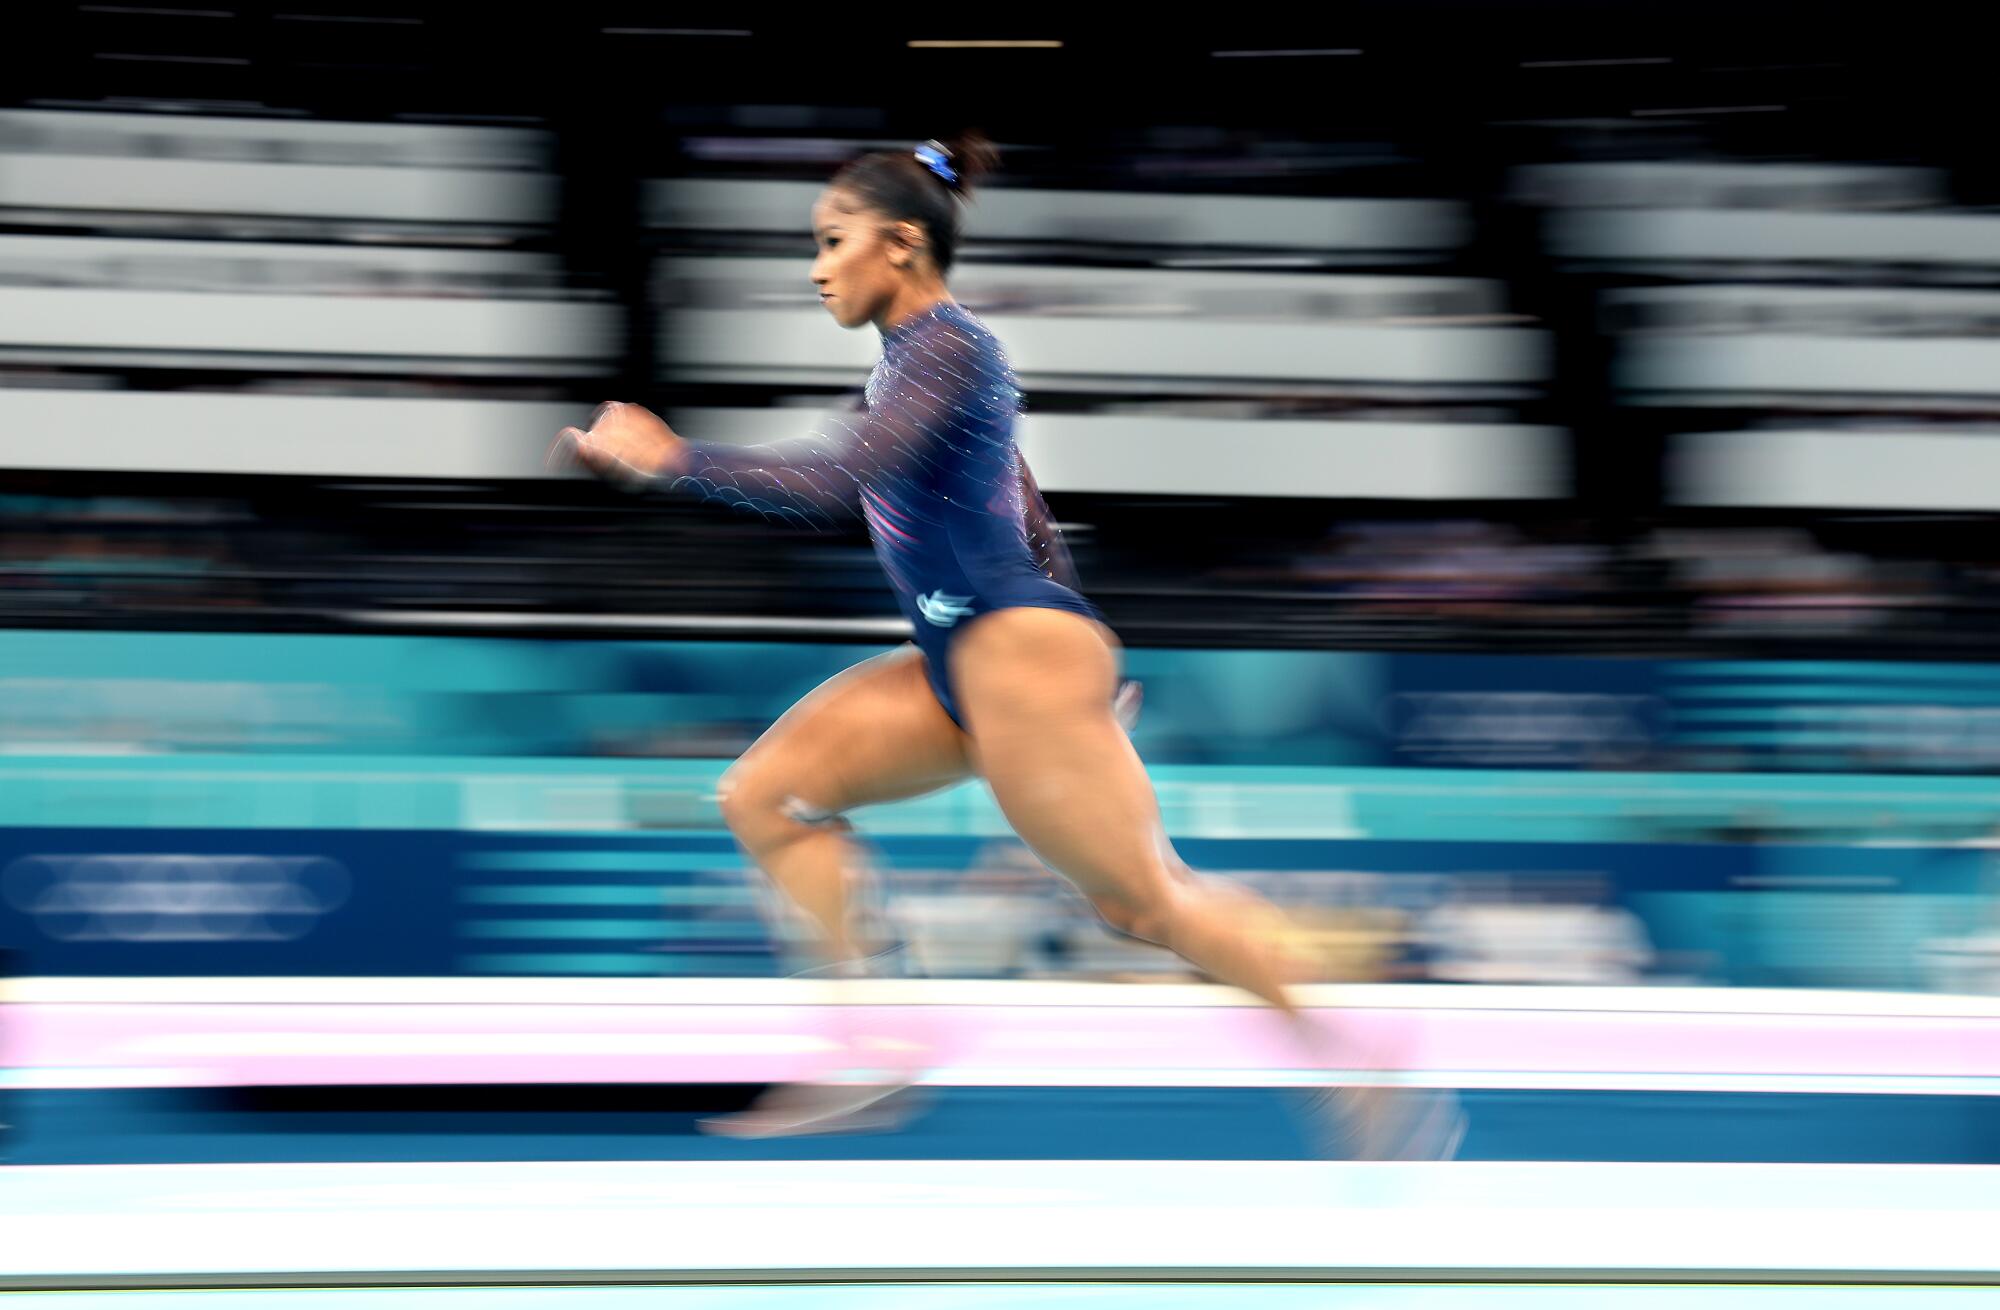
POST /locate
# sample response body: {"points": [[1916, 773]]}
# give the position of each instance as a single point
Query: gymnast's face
{"points": [[864, 259]]}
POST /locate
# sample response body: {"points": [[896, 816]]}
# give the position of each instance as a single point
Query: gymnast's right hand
{"points": [[624, 443]]}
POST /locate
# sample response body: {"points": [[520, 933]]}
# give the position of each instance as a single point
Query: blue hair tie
{"points": [[938, 160]]}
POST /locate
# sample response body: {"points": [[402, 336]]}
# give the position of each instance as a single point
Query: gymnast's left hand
{"points": [[624, 443]]}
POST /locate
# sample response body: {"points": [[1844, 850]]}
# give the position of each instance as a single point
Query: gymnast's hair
{"points": [[928, 186]]}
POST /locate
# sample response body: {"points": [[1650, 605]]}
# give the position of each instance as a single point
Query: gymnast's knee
{"points": [[754, 805], [1147, 921]]}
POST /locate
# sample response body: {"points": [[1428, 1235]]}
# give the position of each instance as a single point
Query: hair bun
{"points": [[936, 156], [968, 155]]}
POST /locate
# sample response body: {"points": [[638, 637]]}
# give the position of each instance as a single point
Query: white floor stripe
{"points": [[793, 1218], [1045, 1296], [962, 991], [139, 1078]]}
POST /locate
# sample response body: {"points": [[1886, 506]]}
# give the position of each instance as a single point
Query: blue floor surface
{"points": [[179, 1126]]}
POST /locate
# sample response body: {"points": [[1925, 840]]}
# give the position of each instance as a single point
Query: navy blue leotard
{"points": [[927, 459]]}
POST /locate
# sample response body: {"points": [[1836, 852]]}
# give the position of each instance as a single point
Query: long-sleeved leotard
{"points": [[928, 461]]}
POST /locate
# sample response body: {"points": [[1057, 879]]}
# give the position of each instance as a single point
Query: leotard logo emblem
{"points": [[941, 610]]}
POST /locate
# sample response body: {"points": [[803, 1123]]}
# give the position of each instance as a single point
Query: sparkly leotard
{"points": [[928, 461]]}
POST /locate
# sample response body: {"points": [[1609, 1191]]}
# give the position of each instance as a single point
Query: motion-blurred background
{"points": [[1543, 459]]}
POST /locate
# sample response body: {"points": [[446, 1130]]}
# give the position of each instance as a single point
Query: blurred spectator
{"points": [[1496, 929], [997, 921], [1971, 963], [1781, 580]]}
